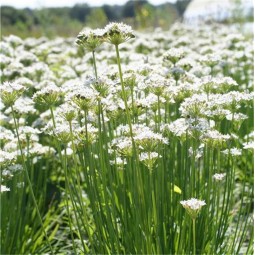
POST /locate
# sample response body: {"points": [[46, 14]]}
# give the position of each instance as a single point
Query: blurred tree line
{"points": [[68, 21]]}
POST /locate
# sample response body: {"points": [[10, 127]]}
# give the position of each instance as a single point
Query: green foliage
{"points": [[166, 15], [100, 21], [113, 13], [66, 21], [79, 12]]}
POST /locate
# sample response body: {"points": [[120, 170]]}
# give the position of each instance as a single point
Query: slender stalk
{"points": [[67, 188], [29, 182], [52, 117], [123, 91], [67, 184], [94, 63], [194, 236], [159, 115], [138, 183]]}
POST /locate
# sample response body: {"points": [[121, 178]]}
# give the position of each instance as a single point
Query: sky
{"points": [[70, 3]]}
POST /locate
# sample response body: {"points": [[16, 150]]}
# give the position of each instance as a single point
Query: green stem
{"points": [[29, 182], [194, 236], [94, 63], [55, 140], [123, 91], [67, 188], [52, 116], [159, 114]]}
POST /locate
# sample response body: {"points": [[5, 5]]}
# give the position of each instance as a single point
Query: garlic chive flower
{"points": [[3, 188], [213, 138], [84, 98], [173, 55], [149, 140], [62, 133], [90, 39], [233, 152], [117, 33], [49, 95], [193, 206], [86, 135], [10, 92], [6, 158], [123, 145], [67, 111], [149, 158], [219, 177], [102, 86]]}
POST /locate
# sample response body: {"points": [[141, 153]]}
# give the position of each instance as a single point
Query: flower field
{"points": [[123, 142]]}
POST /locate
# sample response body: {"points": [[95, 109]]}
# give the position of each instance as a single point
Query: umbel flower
{"points": [[117, 33], [10, 92], [149, 159], [219, 177], [90, 39], [173, 55], [49, 95], [193, 206], [3, 188]]}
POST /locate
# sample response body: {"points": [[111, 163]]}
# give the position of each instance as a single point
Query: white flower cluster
{"points": [[219, 177], [3, 188], [193, 206], [180, 85]]}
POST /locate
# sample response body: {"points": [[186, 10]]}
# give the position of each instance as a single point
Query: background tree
{"points": [[100, 21], [166, 15], [80, 11], [181, 6], [113, 12]]}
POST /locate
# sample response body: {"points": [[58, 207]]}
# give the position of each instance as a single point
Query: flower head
{"points": [[67, 111], [149, 158], [3, 188], [117, 33], [219, 177], [173, 55], [193, 206], [49, 95], [233, 152], [10, 92], [83, 97], [90, 39]]}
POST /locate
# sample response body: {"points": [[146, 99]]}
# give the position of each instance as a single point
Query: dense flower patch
{"points": [[127, 142]]}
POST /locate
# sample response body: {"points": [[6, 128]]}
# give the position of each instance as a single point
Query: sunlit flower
{"points": [[214, 138], [3, 188], [178, 127], [90, 39], [149, 140], [249, 145], [173, 55], [67, 111], [83, 97], [86, 135], [149, 158], [193, 206], [48, 95], [123, 146], [10, 92], [233, 152], [24, 105], [7, 158], [219, 177], [117, 33]]}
